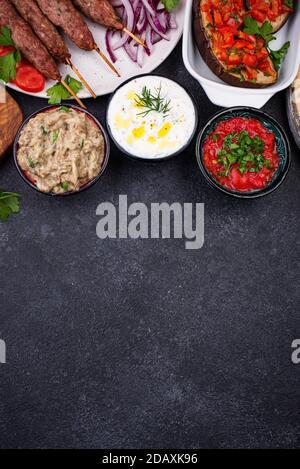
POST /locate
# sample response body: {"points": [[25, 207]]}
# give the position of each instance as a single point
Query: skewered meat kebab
{"points": [[64, 15], [30, 45], [48, 34], [102, 12]]}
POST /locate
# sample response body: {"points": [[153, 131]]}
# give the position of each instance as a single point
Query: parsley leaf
{"points": [[8, 69], [252, 28], [9, 204], [8, 63], [5, 37], [278, 56], [170, 4], [58, 92], [289, 3]]}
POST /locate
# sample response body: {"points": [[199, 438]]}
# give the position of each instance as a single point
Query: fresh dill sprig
{"points": [[152, 102]]}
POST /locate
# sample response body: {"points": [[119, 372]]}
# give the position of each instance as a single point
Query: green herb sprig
{"points": [[266, 32], [58, 92], [152, 102], [243, 150], [9, 204]]}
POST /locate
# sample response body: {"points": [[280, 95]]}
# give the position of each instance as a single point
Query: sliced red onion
{"points": [[108, 40], [147, 19], [130, 24], [149, 7]]}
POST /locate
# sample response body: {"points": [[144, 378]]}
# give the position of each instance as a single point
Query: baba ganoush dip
{"points": [[61, 150], [151, 117]]}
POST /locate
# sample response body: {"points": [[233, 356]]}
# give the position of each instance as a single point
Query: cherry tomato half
{"points": [[29, 78]]}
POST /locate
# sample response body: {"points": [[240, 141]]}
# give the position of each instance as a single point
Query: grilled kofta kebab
{"points": [[25, 39], [102, 12], [48, 34], [64, 15], [43, 28], [30, 46]]}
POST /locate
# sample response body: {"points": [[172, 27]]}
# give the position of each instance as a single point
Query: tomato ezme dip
{"points": [[241, 154]]}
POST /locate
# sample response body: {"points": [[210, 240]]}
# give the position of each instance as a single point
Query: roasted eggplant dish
{"points": [[235, 45]]}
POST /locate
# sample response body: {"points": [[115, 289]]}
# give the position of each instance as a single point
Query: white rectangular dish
{"points": [[225, 95]]}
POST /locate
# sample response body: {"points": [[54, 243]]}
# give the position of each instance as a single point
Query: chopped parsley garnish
{"points": [[65, 186], [152, 101], [31, 163], [55, 135], [58, 92], [245, 152]]}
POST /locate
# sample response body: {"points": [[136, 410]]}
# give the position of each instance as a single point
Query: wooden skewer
{"points": [[73, 94], [108, 62], [81, 78], [139, 41]]}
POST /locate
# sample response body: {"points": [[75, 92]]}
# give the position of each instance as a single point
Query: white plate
{"points": [[226, 95], [99, 76]]}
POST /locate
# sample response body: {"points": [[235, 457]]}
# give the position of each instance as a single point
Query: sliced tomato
{"points": [[5, 50], [29, 78]]}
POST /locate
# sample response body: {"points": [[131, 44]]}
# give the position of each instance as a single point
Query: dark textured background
{"points": [[141, 343]]}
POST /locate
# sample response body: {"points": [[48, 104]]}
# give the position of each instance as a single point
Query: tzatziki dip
{"points": [[151, 117]]}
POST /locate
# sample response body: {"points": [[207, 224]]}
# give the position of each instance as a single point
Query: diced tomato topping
{"points": [[251, 177], [262, 10], [251, 73], [234, 59], [250, 60]]}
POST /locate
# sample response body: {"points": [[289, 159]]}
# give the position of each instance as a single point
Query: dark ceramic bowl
{"points": [[85, 186], [164, 158], [282, 144]]}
